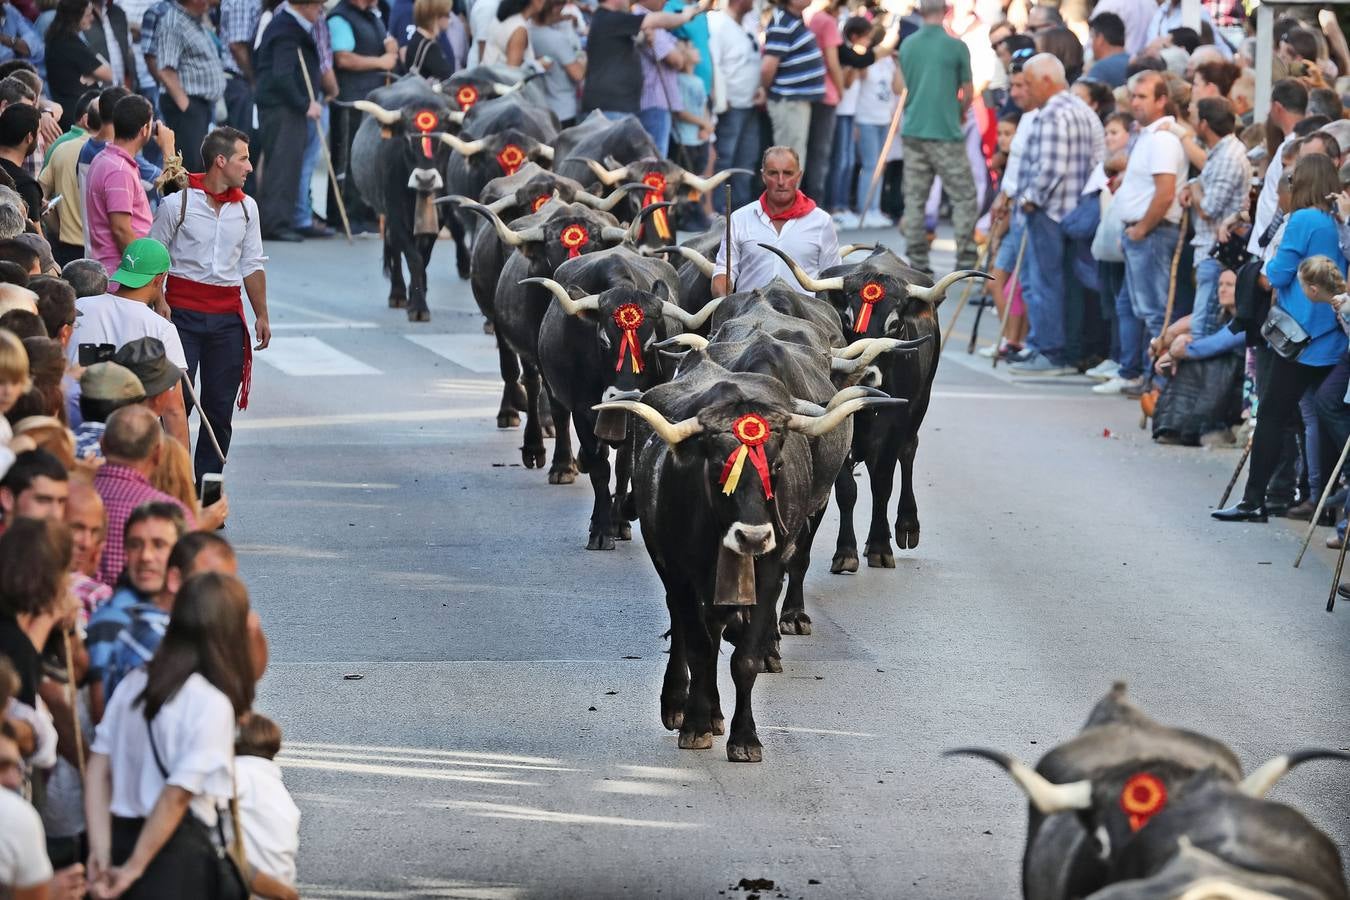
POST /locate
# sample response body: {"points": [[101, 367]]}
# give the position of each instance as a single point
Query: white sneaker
{"points": [[1115, 385], [1104, 370], [848, 220], [874, 219], [988, 351]]}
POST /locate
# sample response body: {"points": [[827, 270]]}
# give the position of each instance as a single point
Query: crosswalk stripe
{"points": [[309, 356], [475, 352]]}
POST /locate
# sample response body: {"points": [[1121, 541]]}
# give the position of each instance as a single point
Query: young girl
{"points": [[880, 91], [14, 383], [267, 814]]}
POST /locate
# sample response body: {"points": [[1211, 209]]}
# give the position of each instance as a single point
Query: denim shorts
{"points": [[1007, 250]]}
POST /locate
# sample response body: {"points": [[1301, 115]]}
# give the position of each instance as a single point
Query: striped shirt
{"points": [[1223, 184], [123, 635], [185, 44], [1065, 146], [801, 68]]}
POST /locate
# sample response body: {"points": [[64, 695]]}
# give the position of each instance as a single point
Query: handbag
{"points": [[1232, 253], [1282, 331], [227, 878], [1106, 242]]}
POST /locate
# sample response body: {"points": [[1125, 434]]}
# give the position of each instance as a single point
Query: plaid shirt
{"points": [[1065, 146], [185, 44], [122, 636], [238, 25], [1223, 184], [123, 489], [150, 26], [91, 593]]}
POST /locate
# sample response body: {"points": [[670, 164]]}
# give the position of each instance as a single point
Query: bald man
{"points": [[1066, 143]]}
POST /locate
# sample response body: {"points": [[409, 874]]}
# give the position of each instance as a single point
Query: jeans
{"points": [[737, 148], [656, 122], [819, 138], [1043, 285], [1148, 265], [1111, 275], [1286, 383], [870, 139], [842, 157], [1129, 332], [1205, 316], [304, 209], [215, 342], [1312, 441]]}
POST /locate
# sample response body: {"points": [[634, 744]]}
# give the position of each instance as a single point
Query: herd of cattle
{"points": [[733, 420]]}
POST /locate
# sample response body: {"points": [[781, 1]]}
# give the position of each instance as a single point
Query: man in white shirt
{"points": [[213, 234], [1288, 107], [736, 64], [784, 217], [1148, 206]]}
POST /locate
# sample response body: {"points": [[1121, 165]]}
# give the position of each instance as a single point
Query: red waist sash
{"points": [[215, 299]]}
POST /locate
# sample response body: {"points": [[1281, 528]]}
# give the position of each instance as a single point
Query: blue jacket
{"points": [[1309, 232]]}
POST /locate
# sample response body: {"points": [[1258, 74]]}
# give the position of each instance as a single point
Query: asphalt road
{"points": [[503, 740]]}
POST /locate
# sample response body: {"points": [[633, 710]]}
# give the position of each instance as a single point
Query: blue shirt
{"points": [[695, 31], [149, 171], [1221, 341], [1309, 232], [695, 100], [123, 635], [1110, 70], [16, 26]]}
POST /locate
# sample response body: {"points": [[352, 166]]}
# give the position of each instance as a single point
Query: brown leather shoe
{"points": [[1333, 541]]}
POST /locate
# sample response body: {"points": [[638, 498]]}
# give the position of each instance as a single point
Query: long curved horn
{"points": [[704, 185], [806, 408], [854, 248], [814, 285], [692, 341], [499, 206], [936, 292], [1259, 783], [604, 204], [670, 432], [815, 427], [545, 151], [378, 112], [690, 320], [501, 90], [853, 393], [702, 263], [1047, 797], [608, 177], [504, 231], [866, 346], [464, 148], [632, 232], [588, 303]]}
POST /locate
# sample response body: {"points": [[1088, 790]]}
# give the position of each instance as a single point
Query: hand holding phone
{"points": [[212, 488]]}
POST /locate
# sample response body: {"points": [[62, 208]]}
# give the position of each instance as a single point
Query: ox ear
{"points": [[1259, 783], [1048, 798]]}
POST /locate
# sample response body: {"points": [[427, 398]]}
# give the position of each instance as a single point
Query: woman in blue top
{"points": [[1310, 231]]}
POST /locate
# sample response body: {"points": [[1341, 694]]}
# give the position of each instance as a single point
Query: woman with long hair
{"points": [[1309, 231], [508, 41], [162, 763], [72, 68]]}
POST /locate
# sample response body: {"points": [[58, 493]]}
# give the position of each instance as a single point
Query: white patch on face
{"points": [[1103, 842], [425, 180], [749, 540]]}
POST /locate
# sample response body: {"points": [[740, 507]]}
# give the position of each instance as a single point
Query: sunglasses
{"points": [[1020, 59]]}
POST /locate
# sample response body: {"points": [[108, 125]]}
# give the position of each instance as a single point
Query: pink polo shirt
{"points": [[113, 185]]}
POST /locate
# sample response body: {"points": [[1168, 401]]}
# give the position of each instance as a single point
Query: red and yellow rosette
{"points": [[629, 318], [656, 192], [1143, 797], [511, 158], [752, 431], [871, 293], [539, 202], [466, 96], [425, 122], [574, 237]]}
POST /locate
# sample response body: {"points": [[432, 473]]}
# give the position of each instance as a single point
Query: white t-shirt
{"points": [[1155, 152], [499, 36], [110, 319], [23, 846], [876, 100], [1021, 137], [482, 17], [194, 732], [848, 100], [270, 818]]}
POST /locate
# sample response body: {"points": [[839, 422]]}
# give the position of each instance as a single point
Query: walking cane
{"points": [[1336, 577], [210, 432], [73, 699], [332, 176], [1242, 461], [1326, 492], [731, 289], [965, 295], [979, 312], [1171, 301], [1007, 314]]}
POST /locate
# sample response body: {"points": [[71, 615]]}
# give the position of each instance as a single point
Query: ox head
{"points": [[876, 296], [533, 194], [421, 129], [500, 153], [660, 180], [467, 88], [566, 234]]}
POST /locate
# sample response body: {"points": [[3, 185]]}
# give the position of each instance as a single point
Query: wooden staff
{"points": [[965, 295], [1242, 461], [979, 313], [731, 289], [327, 160], [1326, 492], [210, 432], [1012, 280], [1336, 577], [73, 698], [1171, 303]]}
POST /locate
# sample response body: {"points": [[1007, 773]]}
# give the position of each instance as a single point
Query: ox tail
{"points": [[390, 260]]}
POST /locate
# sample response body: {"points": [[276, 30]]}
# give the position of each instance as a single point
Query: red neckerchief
{"points": [[800, 207], [231, 195]]}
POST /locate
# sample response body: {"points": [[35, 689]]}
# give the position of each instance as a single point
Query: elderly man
{"points": [[189, 64], [782, 216], [1066, 143]]}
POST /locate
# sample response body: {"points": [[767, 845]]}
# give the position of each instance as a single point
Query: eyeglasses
{"points": [[1019, 60]]}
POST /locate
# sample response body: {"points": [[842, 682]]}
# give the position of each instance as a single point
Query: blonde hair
{"points": [[173, 474], [51, 434], [426, 12], [1320, 276], [13, 359]]}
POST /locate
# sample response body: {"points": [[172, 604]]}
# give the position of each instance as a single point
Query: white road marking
{"points": [[475, 352], [309, 311], [321, 326], [410, 415], [306, 357]]}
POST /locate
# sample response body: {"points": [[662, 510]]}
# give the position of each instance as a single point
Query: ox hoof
{"points": [[419, 315], [844, 561], [719, 725], [672, 719], [772, 664], [488, 327], [747, 752], [398, 302], [692, 740], [907, 535], [880, 559], [508, 418], [794, 623], [566, 474], [462, 267], [533, 457], [621, 531], [600, 542]]}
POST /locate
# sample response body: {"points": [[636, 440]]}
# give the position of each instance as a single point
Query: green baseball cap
{"points": [[145, 259]]}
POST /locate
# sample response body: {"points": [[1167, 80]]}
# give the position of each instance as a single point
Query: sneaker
{"points": [[1039, 364], [874, 219], [1104, 370], [1015, 354], [1117, 385], [847, 220], [988, 351]]}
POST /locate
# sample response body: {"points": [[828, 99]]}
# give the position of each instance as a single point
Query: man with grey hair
{"points": [[87, 277], [11, 221], [1066, 143], [936, 70]]}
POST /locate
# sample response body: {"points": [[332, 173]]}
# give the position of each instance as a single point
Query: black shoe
{"points": [[1343, 590], [286, 235], [1243, 512], [1301, 511], [316, 231]]}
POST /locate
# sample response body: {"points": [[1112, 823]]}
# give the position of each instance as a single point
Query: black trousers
{"points": [[342, 125], [65, 253], [283, 132], [182, 868], [819, 141], [1286, 381], [213, 342], [190, 127]]}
